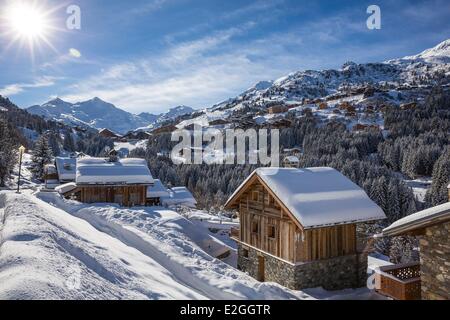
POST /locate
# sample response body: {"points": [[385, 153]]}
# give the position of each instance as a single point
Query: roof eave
{"points": [[418, 224]]}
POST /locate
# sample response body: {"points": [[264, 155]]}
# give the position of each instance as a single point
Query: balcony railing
{"points": [[234, 233], [400, 282]]}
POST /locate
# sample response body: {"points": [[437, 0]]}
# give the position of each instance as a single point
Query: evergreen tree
{"points": [[42, 155], [8, 153], [438, 193]]}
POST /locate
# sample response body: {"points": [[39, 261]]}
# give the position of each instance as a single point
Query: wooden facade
{"points": [[126, 195], [267, 225]]}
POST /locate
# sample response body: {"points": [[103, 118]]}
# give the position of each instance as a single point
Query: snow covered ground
{"points": [[420, 187], [127, 147], [52, 248]]}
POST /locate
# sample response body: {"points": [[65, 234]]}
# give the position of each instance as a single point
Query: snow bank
{"points": [[48, 254], [158, 190], [64, 188], [179, 196]]}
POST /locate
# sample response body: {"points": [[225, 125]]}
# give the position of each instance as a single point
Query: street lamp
{"points": [[21, 152]]}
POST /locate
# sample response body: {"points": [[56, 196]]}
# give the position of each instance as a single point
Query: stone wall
{"points": [[435, 262], [331, 274]]}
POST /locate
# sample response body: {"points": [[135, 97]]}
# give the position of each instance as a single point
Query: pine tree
{"points": [[8, 153], [438, 193], [42, 155]]}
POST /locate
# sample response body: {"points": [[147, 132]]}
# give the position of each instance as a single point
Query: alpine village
{"points": [[358, 207]]}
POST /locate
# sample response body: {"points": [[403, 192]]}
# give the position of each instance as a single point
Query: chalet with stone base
{"points": [[298, 228], [429, 279]]}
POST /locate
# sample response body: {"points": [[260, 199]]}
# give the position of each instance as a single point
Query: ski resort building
{"points": [[429, 279], [100, 180], [298, 228]]}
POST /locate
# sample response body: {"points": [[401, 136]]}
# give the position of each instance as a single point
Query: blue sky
{"points": [[150, 55]]}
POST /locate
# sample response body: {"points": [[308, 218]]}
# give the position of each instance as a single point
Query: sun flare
{"points": [[27, 21]]}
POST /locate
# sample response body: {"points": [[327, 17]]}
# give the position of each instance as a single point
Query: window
{"points": [[255, 227], [271, 232], [255, 196]]}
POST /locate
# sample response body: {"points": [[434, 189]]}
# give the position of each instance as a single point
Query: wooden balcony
{"points": [[234, 233], [400, 282]]}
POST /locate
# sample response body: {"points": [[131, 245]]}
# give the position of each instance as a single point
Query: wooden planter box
{"points": [[400, 282]]}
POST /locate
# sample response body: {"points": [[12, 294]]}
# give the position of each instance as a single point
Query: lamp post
{"points": [[21, 152]]}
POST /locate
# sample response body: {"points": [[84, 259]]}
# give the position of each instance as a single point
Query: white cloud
{"points": [[16, 88], [197, 73], [218, 66]]}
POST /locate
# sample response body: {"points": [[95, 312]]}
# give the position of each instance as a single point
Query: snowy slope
{"points": [[177, 245], [48, 254], [103, 252], [398, 81]]}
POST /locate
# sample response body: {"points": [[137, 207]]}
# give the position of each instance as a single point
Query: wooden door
{"points": [[261, 268]]}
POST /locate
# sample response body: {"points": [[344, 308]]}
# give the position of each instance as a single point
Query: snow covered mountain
{"points": [[393, 82], [99, 114], [94, 113], [172, 114]]}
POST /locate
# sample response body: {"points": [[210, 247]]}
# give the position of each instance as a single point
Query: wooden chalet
{"points": [[113, 180], [428, 279], [106, 133], [291, 162], [278, 109], [298, 227]]}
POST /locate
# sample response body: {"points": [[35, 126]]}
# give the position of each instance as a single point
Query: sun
{"points": [[27, 21]]}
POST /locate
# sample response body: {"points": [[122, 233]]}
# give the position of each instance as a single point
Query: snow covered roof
{"points": [[317, 197], [158, 190], [180, 196], [64, 188], [50, 168], [419, 220], [124, 171], [66, 168], [292, 159]]}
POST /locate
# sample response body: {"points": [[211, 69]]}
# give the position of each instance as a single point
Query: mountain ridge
{"points": [[99, 114]]}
